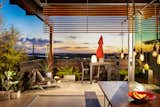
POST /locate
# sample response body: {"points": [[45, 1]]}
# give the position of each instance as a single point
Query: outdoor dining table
{"points": [[116, 93], [96, 64]]}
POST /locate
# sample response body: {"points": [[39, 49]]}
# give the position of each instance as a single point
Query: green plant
{"points": [[7, 80], [77, 74], [67, 70], [10, 55], [45, 67], [123, 72]]}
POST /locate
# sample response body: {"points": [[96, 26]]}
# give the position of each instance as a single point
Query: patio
{"points": [[70, 94], [128, 19]]}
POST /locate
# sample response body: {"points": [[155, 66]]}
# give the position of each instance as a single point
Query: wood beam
{"points": [[50, 60], [30, 7]]}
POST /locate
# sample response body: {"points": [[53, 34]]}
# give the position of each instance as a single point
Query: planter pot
{"points": [[123, 77], [5, 95], [69, 77], [49, 74], [101, 59], [15, 95]]}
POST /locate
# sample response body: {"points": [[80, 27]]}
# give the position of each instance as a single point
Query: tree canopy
{"points": [[10, 55]]}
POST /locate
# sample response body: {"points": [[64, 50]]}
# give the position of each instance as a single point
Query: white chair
{"points": [[83, 71]]}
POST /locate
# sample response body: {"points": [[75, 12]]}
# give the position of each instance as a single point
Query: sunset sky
{"points": [[32, 27]]}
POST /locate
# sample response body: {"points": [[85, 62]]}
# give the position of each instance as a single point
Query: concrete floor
{"points": [[70, 94], [67, 88]]}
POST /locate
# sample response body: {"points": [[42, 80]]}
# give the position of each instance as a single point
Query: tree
{"points": [[10, 57]]}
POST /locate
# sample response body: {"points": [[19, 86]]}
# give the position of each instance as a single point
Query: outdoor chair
{"points": [[84, 70], [38, 81]]}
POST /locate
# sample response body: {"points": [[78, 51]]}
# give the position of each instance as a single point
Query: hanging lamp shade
{"points": [[122, 54], [134, 52], [154, 53], [146, 67], [141, 57]]}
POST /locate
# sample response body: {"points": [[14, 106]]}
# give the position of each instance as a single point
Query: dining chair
{"points": [[84, 69]]}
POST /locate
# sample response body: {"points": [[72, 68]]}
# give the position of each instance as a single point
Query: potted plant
{"points": [[67, 73], [45, 68], [9, 85], [123, 74]]}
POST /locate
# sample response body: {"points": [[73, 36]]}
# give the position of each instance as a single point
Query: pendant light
{"points": [[146, 66], [158, 57], [134, 51], [122, 52], [141, 57], [154, 52]]}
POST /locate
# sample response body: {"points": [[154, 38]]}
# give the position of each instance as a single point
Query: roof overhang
{"points": [[79, 7], [30, 6]]}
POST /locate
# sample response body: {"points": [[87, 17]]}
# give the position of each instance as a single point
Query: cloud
{"points": [[27, 44], [34, 41], [72, 37], [62, 48], [78, 47], [56, 41], [85, 43]]}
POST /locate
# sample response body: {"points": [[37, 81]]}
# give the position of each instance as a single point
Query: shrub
{"points": [[67, 70]]}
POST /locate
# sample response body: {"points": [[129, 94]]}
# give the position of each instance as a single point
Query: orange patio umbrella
{"points": [[99, 52]]}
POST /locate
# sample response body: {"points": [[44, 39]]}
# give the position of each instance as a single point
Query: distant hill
{"points": [[74, 55]]}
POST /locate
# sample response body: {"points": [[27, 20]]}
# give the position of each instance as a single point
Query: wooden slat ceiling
{"points": [[117, 14], [81, 10], [107, 19], [33, 7], [93, 10]]}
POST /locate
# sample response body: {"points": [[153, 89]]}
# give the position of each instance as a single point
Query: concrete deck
{"points": [[62, 94], [70, 94]]}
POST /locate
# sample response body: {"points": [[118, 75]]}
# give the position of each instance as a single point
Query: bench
{"points": [[91, 99]]}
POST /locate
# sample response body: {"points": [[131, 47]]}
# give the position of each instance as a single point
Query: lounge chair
{"points": [[38, 81]]}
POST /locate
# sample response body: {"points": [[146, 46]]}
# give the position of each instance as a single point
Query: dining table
{"points": [[116, 94]]}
